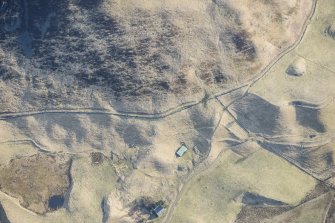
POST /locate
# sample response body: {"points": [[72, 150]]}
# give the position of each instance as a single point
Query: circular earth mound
{"points": [[330, 30], [297, 68]]}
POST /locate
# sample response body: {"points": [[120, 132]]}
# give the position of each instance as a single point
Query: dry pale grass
{"points": [[218, 190]]}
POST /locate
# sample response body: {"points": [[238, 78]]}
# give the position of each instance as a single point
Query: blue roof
{"points": [[181, 150]]}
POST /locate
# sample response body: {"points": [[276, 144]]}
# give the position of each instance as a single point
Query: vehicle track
{"points": [[182, 107], [251, 83], [128, 115], [164, 114]]}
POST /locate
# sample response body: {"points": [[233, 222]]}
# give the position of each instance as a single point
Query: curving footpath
{"points": [[169, 112], [182, 107], [129, 115], [168, 216]]}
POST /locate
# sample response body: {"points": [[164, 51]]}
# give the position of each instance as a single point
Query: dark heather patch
{"points": [[256, 114], [228, 12], [255, 199], [105, 210], [232, 38], [203, 145], [133, 136], [245, 45], [309, 117], [204, 124], [330, 216], [256, 214], [328, 158], [97, 158], [219, 76], [88, 4], [240, 43], [316, 159], [52, 41]]}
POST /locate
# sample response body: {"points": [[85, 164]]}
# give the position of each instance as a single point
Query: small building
{"points": [[181, 151], [158, 210]]}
